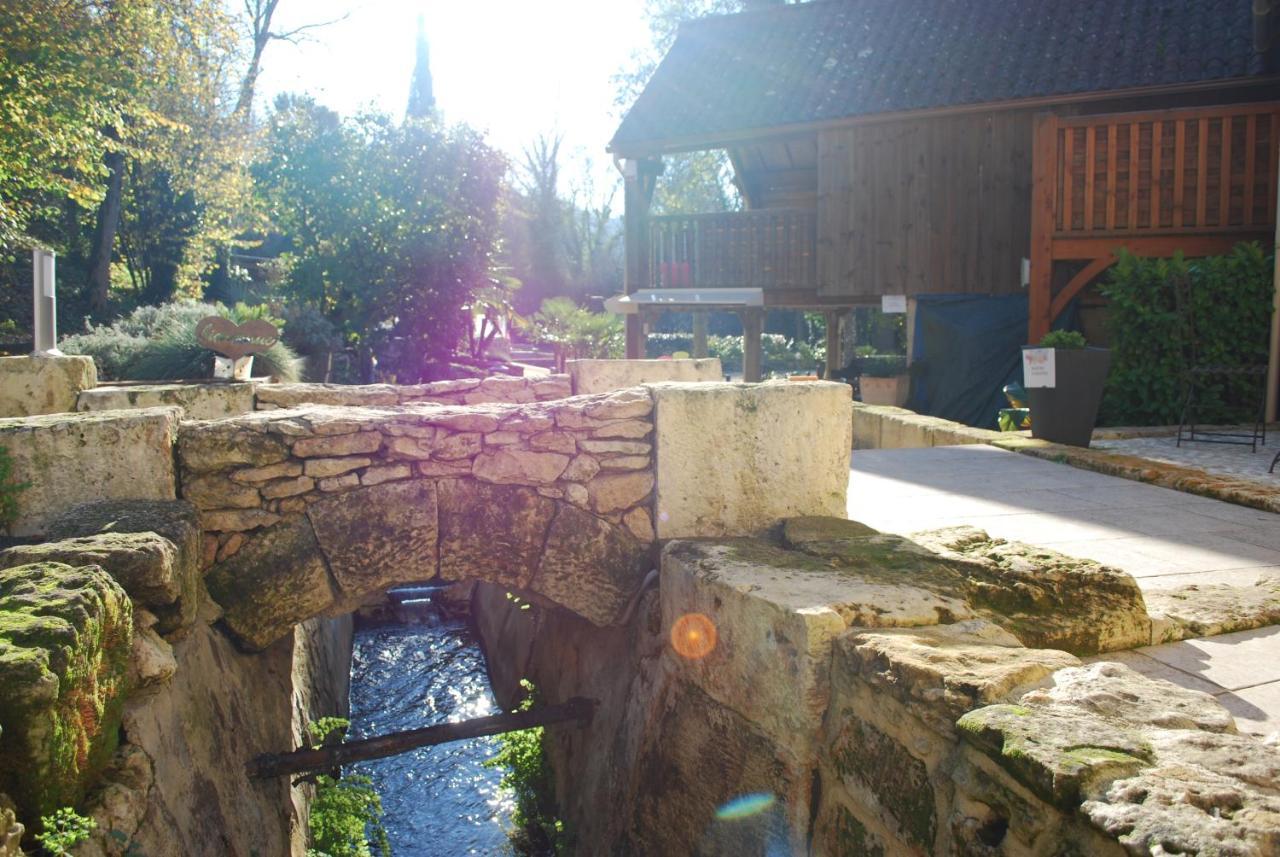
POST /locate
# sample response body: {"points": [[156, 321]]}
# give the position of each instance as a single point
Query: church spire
{"points": [[422, 99]]}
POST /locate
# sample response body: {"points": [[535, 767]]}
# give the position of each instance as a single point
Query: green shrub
{"points": [[882, 365], [346, 813], [779, 355], [159, 344], [574, 332], [1066, 339], [63, 830], [9, 491], [537, 829], [1151, 340]]}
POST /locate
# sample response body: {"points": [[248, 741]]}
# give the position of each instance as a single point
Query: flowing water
{"points": [[438, 800]]}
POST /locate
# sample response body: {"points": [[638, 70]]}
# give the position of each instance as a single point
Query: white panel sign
{"points": [[893, 303], [1038, 367]]}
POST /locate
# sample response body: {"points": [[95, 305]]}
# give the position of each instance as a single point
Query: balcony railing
{"points": [[769, 248]]}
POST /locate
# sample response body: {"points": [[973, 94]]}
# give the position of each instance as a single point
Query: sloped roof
{"points": [[833, 59]]}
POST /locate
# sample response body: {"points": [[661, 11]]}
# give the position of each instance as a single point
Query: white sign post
{"points": [[1039, 367], [45, 297]]}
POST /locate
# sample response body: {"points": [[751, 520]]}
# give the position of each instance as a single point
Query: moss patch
{"points": [[899, 780], [65, 637]]}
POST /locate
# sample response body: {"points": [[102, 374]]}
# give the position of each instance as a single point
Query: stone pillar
{"points": [[835, 357], [699, 333], [752, 357]]}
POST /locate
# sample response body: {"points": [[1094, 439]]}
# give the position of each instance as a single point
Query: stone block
{"points": [[492, 532], [65, 640], [214, 447], [276, 580], [70, 459], [617, 492], [43, 384], [176, 521], [603, 376], [734, 459], [520, 467], [378, 536], [198, 401], [590, 566], [358, 443]]}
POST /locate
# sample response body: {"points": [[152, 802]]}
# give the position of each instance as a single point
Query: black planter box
{"points": [[1067, 412]]}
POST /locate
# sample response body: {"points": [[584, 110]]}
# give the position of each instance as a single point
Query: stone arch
{"points": [[307, 511]]}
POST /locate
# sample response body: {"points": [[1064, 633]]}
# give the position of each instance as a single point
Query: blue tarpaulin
{"points": [[965, 348]]}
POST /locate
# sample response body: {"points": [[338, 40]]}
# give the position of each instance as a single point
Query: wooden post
{"points": [[752, 357], [639, 178], [835, 360], [1273, 363], [1043, 174], [700, 333]]}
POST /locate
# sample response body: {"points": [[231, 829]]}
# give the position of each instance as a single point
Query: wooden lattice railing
{"points": [[766, 248], [1178, 172], [1194, 181]]}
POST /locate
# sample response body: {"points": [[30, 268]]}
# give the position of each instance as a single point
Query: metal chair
{"points": [[1199, 374]]}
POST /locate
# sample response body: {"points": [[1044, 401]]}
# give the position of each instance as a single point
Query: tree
{"points": [[392, 227], [422, 97], [692, 182]]}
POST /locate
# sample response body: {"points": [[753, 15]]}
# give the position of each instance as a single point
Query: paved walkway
{"points": [[1220, 459], [1162, 537]]}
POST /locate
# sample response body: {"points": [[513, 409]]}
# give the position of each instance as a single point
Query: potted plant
{"points": [[883, 379], [1064, 380]]}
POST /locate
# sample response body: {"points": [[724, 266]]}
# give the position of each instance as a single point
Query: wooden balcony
{"points": [[774, 249]]}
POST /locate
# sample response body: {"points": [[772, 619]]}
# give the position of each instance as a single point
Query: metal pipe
{"points": [[320, 759]]}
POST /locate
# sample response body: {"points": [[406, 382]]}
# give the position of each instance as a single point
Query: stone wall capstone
{"points": [[306, 511], [43, 383]]}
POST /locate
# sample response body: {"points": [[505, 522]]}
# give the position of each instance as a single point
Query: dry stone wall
{"points": [[306, 511], [466, 391], [841, 692]]}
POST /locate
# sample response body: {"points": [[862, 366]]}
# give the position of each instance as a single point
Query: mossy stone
{"points": [[65, 638]]}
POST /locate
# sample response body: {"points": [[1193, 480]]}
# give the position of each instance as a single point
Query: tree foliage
{"points": [[391, 227]]}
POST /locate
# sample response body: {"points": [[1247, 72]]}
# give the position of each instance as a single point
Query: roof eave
{"points": [[726, 139]]}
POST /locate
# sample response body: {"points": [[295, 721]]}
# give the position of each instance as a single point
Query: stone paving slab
{"points": [[1219, 459], [1164, 538]]}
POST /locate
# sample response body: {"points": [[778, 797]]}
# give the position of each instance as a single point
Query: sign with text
{"points": [[893, 303], [1038, 368]]}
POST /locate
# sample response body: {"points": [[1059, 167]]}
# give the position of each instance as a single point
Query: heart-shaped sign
{"points": [[236, 340]]}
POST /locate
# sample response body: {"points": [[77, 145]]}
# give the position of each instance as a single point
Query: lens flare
{"points": [[693, 636], [745, 806]]}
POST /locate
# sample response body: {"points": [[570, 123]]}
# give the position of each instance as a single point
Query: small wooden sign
{"points": [[1039, 367], [224, 336]]}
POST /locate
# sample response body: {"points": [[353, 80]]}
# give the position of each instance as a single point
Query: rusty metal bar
{"points": [[320, 759]]}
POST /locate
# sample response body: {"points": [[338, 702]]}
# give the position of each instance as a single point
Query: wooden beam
{"points": [[835, 360], [752, 347], [1043, 172], [321, 759], [700, 333], [1273, 363], [1154, 245], [1078, 284], [639, 180]]}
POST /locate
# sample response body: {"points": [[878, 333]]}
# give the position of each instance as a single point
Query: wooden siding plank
{"points": [[1179, 169], [1224, 175], [1250, 177], [1090, 174], [1157, 178], [1135, 137], [1113, 157], [1069, 180], [1202, 172]]}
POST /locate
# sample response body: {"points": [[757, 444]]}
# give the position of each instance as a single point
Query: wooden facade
{"points": [[924, 206], [1195, 181]]}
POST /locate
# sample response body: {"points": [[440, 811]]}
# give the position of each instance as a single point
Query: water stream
{"points": [[438, 800]]}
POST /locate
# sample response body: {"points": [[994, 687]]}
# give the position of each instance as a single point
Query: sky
{"points": [[511, 68]]}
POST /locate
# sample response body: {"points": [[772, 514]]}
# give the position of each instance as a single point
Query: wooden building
{"points": [[980, 147]]}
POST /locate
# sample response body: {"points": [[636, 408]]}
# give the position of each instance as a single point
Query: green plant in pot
{"points": [[1064, 378], [883, 379]]}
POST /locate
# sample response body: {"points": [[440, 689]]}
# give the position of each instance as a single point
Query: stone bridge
{"points": [[307, 511]]}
